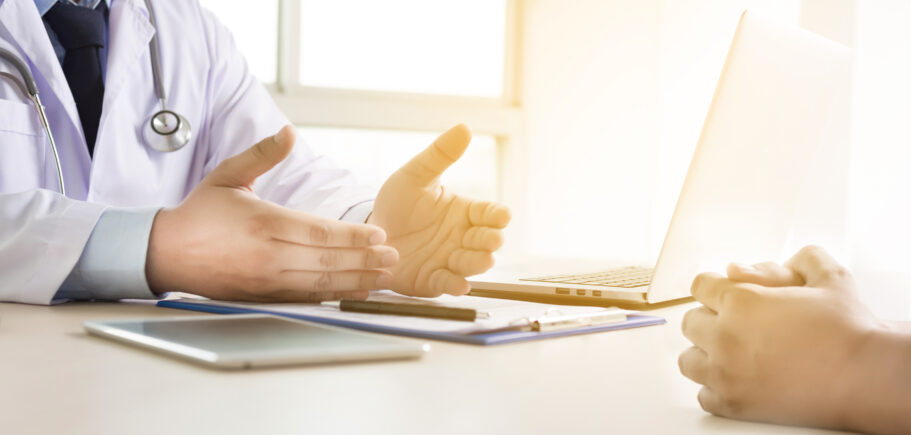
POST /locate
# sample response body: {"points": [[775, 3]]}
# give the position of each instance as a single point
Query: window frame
{"points": [[353, 108], [501, 117]]}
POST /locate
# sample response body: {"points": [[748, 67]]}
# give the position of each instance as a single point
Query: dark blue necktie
{"points": [[80, 31]]}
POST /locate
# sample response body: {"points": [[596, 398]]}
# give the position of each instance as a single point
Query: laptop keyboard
{"points": [[624, 277]]}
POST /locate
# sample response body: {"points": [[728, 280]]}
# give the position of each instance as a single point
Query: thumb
{"points": [[243, 169], [817, 267], [765, 274], [442, 153]]}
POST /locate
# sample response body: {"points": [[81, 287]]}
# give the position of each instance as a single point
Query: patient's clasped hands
{"points": [[794, 344], [224, 242]]}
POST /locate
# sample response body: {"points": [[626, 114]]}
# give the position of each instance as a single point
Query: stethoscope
{"points": [[166, 131]]}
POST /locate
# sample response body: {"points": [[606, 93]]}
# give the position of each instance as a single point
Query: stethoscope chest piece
{"points": [[167, 131]]}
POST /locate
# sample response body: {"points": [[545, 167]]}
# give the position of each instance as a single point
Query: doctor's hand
{"points": [[224, 242], [441, 237], [793, 344]]}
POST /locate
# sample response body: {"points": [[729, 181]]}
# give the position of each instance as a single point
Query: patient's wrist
{"points": [[881, 382]]}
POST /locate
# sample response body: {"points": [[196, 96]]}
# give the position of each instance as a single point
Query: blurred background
{"points": [[585, 113]]}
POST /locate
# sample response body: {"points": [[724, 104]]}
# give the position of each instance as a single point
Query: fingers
{"points": [[442, 153], [307, 229], [766, 274], [489, 214], [297, 281], [482, 239], [466, 262], [699, 326], [708, 288], [444, 281], [243, 169], [694, 364], [711, 402], [291, 256], [313, 297], [817, 267]]}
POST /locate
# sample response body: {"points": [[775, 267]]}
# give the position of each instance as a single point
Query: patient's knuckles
{"points": [[685, 361], [836, 273], [728, 345], [685, 323], [703, 398], [740, 297], [813, 254], [737, 398], [703, 282]]}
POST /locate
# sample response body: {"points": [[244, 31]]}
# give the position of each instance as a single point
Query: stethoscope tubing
{"points": [[61, 186], [31, 90], [181, 132]]}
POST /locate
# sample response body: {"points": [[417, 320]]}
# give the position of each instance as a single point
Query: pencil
{"points": [[416, 310]]}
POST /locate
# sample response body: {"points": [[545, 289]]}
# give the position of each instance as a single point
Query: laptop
{"points": [[780, 107]]}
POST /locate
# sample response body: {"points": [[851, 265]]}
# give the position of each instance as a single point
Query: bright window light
{"points": [[451, 47], [255, 30], [373, 155]]}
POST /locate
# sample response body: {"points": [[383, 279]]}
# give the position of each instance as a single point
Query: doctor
{"points": [[243, 210]]}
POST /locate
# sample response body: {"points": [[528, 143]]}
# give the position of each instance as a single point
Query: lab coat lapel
{"points": [[128, 40], [21, 20]]}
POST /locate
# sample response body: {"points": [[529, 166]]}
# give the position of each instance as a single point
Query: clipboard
{"points": [[557, 321]]}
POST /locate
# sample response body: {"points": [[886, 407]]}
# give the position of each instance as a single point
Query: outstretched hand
{"points": [[441, 237], [224, 242]]}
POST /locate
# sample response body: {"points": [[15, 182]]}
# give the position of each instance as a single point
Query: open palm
{"points": [[441, 237]]}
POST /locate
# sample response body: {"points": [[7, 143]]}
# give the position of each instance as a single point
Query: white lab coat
{"points": [[42, 234]]}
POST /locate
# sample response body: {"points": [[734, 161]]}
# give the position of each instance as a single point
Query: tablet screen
{"points": [[232, 335], [247, 340]]}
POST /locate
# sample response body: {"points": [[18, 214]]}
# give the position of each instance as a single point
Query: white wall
{"points": [[881, 180], [590, 92]]}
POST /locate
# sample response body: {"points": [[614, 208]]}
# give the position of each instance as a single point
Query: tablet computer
{"points": [[254, 340]]}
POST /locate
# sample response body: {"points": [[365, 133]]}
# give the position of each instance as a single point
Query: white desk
{"points": [[56, 379]]}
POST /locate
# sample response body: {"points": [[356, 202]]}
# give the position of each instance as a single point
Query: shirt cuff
{"points": [[358, 213], [112, 264]]}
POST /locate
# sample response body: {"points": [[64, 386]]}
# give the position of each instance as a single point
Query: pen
{"points": [[416, 310]]}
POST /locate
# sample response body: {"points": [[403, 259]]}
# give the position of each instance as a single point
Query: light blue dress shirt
{"points": [[112, 264]]}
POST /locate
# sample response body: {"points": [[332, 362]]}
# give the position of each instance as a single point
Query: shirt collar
{"points": [[46, 5]]}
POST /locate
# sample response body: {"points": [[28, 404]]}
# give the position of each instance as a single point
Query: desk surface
{"points": [[56, 379]]}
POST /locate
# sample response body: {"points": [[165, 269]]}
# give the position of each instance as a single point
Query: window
{"points": [[417, 46], [259, 43], [370, 84]]}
